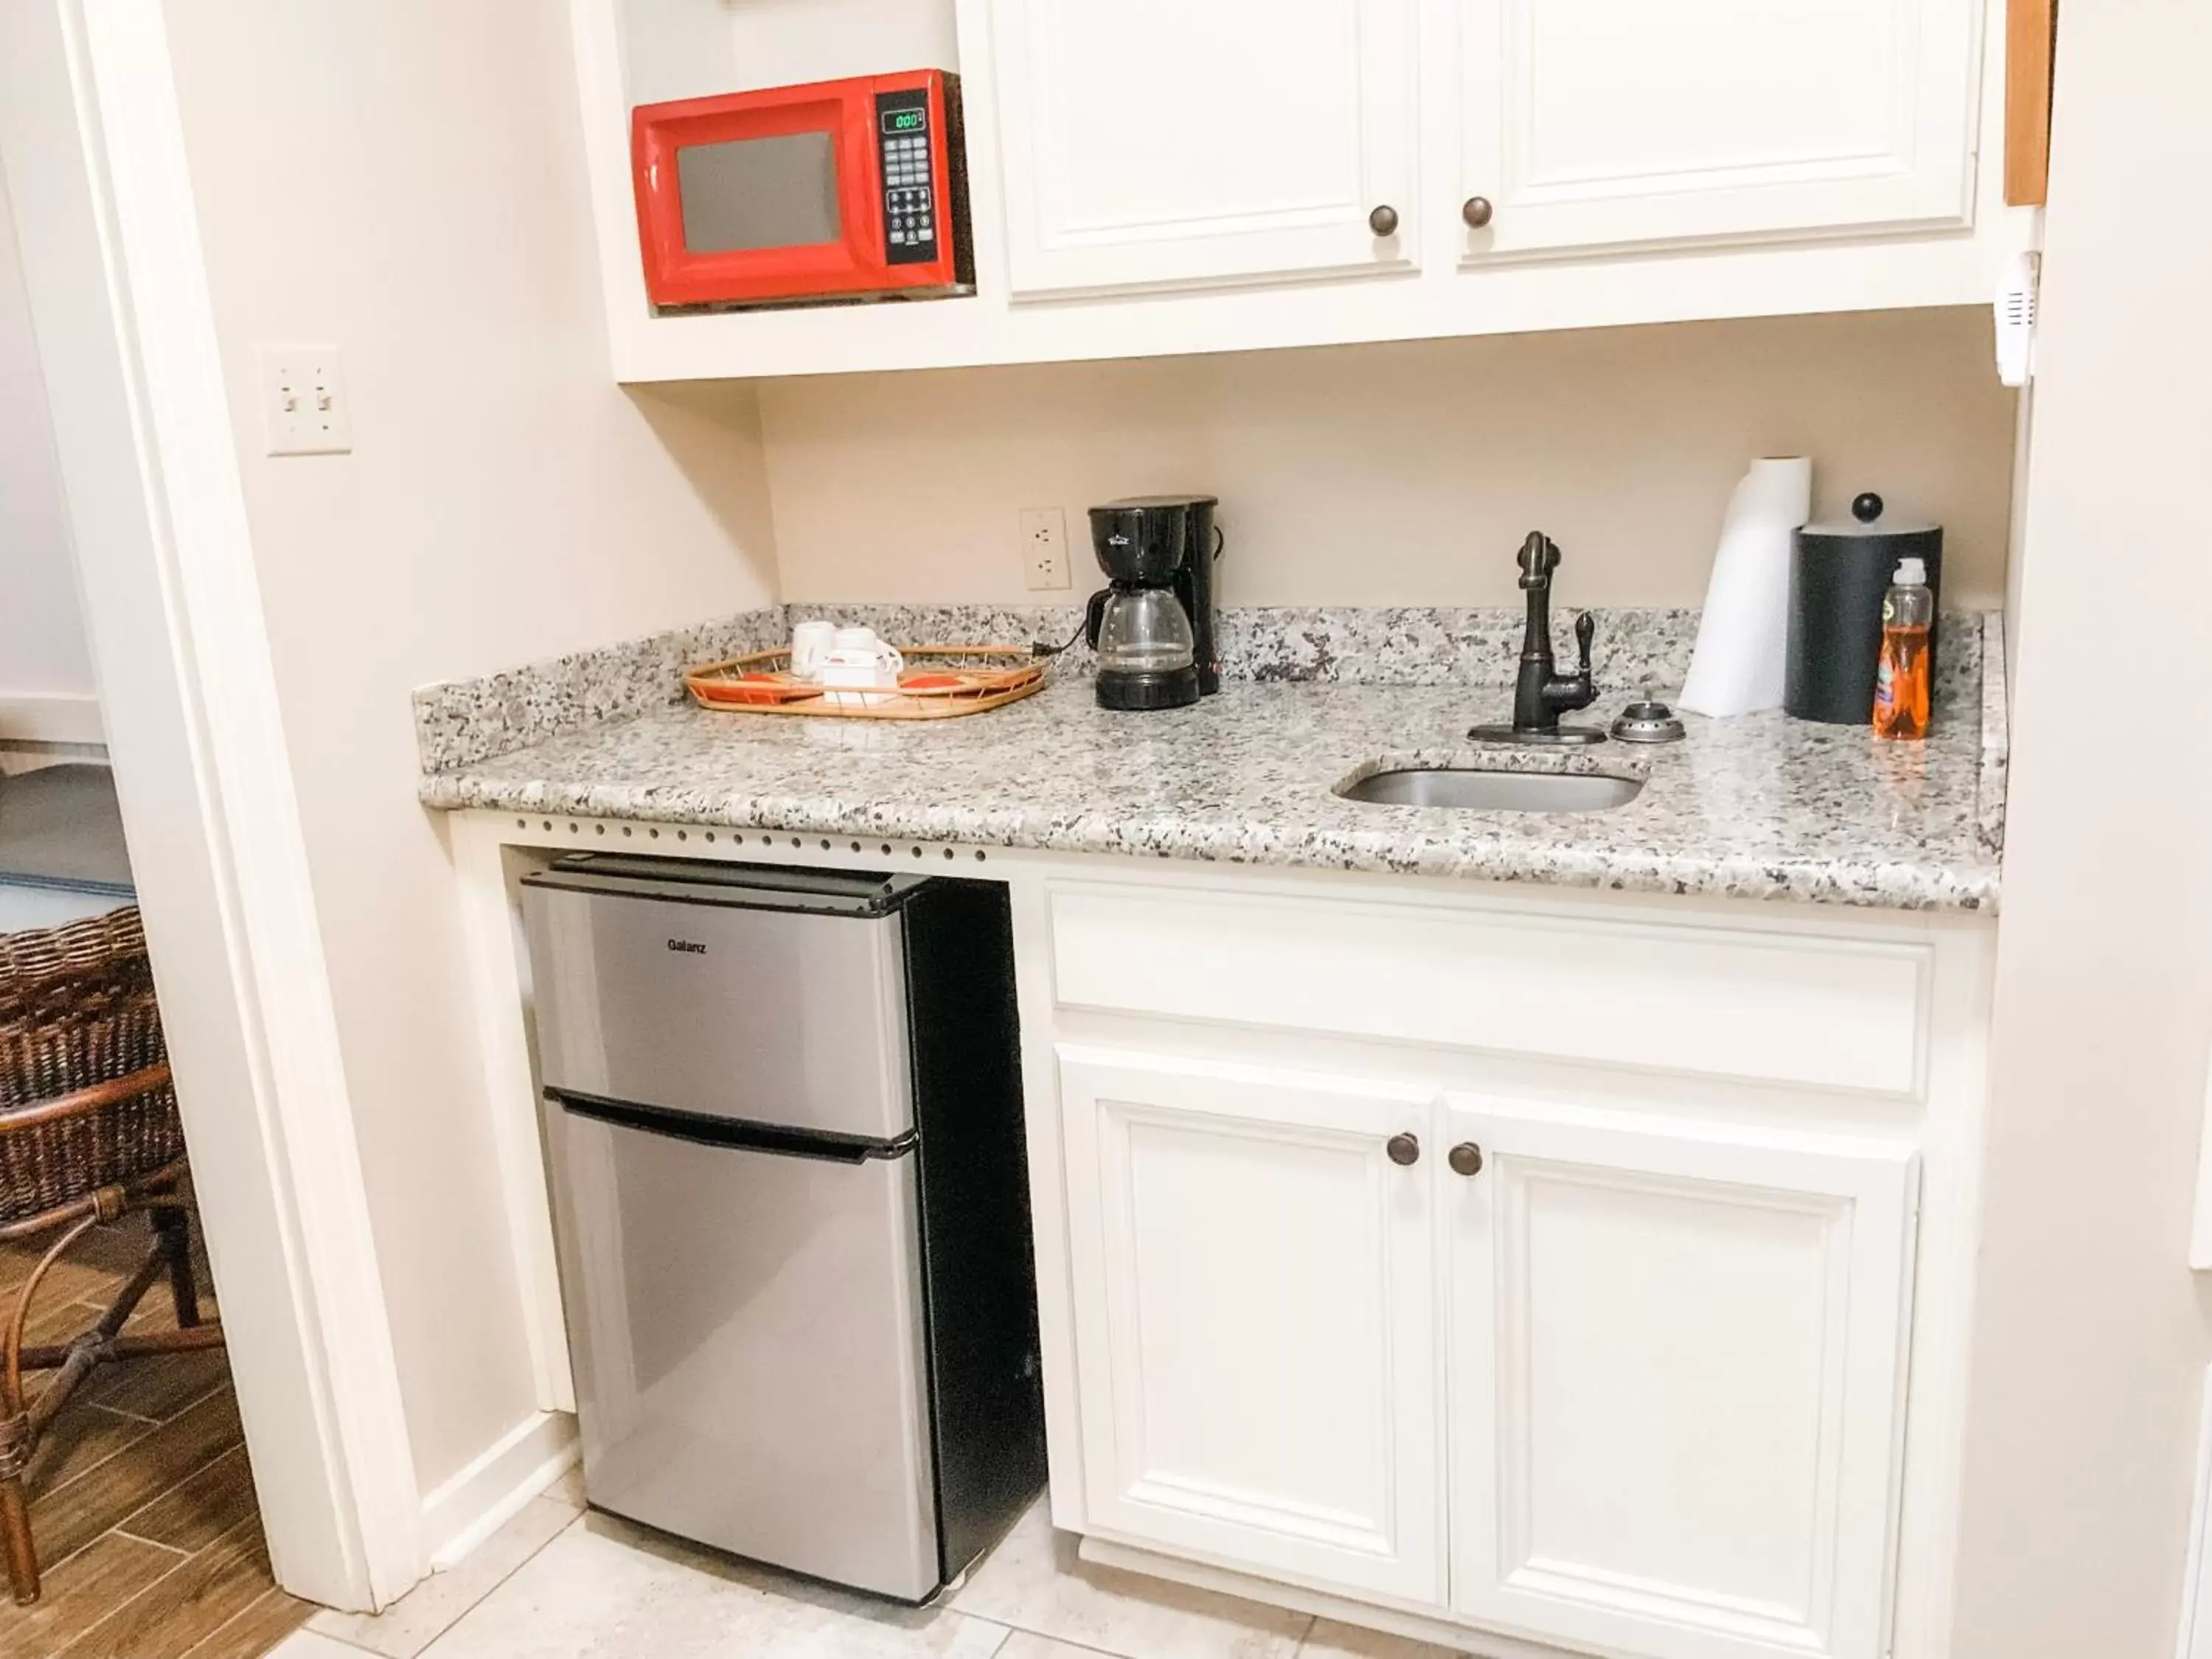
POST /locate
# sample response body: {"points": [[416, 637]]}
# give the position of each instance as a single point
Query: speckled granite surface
{"points": [[1996, 735], [1341, 645], [1761, 807], [468, 719]]}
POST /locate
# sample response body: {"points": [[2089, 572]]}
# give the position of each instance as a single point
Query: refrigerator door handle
{"points": [[737, 1134]]}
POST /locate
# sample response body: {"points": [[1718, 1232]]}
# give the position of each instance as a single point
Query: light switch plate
{"points": [[1044, 547], [304, 409]]}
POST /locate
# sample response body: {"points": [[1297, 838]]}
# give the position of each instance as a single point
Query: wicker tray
{"points": [[940, 683]]}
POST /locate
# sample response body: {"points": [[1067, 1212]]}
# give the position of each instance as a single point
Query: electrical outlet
{"points": [[1044, 547], [303, 403]]}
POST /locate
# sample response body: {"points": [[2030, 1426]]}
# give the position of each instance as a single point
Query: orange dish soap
{"points": [[1900, 687]]}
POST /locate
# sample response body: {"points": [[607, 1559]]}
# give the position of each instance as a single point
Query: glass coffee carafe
{"points": [[1145, 654], [1143, 631]]}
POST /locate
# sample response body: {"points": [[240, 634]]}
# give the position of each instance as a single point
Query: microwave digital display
{"points": [[905, 120]]}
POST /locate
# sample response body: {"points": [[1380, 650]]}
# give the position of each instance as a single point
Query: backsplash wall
{"points": [[1398, 474]]}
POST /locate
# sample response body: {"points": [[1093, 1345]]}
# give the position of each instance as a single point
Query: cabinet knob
{"points": [[1403, 1149], [1466, 1158], [1476, 212], [1383, 221]]}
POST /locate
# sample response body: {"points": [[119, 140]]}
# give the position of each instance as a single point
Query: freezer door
{"points": [[769, 1016], [748, 1337]]}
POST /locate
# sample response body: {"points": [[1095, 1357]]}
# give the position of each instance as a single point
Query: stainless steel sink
{"points": [[1494, 791]]}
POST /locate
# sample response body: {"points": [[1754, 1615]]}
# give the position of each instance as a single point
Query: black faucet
{"points": [[1540, 693]]}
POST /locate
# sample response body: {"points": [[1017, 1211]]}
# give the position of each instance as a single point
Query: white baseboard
{"points": [[52, 717], [476, 1502]]}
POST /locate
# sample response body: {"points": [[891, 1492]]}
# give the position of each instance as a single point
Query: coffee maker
{"points": [[1152, 627]]}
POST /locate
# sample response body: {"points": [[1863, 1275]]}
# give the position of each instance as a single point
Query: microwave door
{"points": [[758, 198], [746, 194]]}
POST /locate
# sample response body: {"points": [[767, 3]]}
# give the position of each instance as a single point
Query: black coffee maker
{"points": [[1154, 626]]}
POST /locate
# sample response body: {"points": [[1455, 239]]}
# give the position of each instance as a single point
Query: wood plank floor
{"points": [[141, 1500]]}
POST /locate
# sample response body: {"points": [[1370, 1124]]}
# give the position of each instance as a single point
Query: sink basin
{"points": [[1494, 791]]}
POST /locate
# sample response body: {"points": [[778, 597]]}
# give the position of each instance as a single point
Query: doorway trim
{"points": [[91, 145]]}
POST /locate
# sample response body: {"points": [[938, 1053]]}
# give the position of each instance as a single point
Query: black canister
{"points": [[1838, 575]]}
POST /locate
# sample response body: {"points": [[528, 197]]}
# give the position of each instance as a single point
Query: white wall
{"points": [[1401, 473], [46, 671], [2092, 1336], [404, 179], [696, 48]]}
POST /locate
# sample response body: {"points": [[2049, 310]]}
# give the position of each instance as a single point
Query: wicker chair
{"points": [[88, 1133]]}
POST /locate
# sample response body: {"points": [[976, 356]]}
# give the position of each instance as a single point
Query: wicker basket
{"points": [[76, 1008]]}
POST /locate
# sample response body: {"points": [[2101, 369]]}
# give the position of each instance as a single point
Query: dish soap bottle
{"points": [[1900, 687]]}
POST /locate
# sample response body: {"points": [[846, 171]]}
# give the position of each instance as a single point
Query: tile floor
{"points": [[146, 1521], [141, 1503], [558, 1583]]}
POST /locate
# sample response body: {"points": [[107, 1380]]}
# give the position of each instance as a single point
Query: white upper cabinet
{"points": [[1149, 178], [1677, 1382], [1255, 1317], [1153, 143], [1590, 124]]}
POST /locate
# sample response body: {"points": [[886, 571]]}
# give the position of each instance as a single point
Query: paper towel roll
{"points": [[1743, 635]]}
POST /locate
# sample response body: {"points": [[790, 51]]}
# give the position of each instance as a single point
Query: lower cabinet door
{"points": [[1255, 1317], [1676, 1376]]}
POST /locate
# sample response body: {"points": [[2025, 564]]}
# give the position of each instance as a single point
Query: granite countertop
{"points": [[1761, 807]]}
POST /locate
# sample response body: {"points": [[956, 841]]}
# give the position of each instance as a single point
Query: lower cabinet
{"points": [[1676, 1379], [1615, 1381], [1256, 1292]]}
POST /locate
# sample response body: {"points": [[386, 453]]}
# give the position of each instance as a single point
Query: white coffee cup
{"points": [[858, 667], [810, 643]]}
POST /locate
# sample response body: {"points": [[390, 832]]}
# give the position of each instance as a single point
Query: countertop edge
{"points": [[1855, 884], [1994, 778], [584, 693]]}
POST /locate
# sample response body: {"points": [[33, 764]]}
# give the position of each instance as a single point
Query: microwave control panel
{"points": [[905, 143]]}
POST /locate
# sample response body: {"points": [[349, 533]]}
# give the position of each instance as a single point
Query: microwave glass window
{"points": [[758, 193]]}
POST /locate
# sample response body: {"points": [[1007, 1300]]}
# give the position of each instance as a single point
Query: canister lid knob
{"points": [[1866, 508]]}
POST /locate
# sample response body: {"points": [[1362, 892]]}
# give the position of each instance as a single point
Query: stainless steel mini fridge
{"points": [[784, 1118]]}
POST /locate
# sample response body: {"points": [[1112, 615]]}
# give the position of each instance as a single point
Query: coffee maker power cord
{"points": [[1046, 649]]}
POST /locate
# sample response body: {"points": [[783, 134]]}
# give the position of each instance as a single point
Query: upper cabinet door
{"points": [[1619, 122], [1253, 1270], [1154, 144], [1677, 1367]]}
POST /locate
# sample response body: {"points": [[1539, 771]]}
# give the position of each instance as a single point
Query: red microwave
{"points": [[839, 190]]}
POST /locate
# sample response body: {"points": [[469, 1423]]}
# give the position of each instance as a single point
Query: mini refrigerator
{"points": [[791, 1204]]}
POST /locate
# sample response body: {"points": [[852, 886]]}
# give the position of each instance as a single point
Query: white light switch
{"points": [[303, 402]]}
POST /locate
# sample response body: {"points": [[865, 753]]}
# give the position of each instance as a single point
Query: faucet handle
{"points": [[1537, 558], [1585, 631]]}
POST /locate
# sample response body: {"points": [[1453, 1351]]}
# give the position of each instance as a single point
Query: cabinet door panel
{"points": [[1595, 123], [1676, 1382], [1154, 143], [1255, 1317]]}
